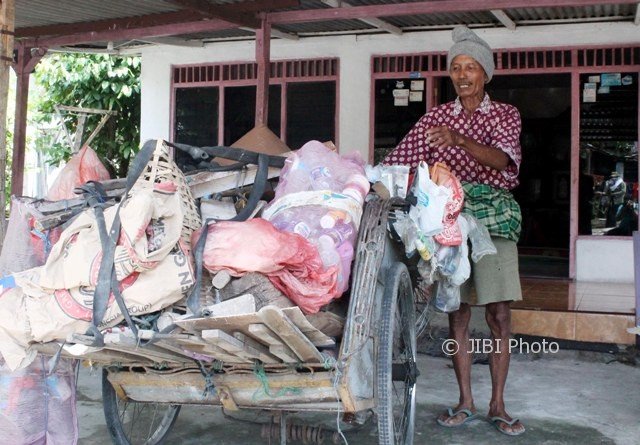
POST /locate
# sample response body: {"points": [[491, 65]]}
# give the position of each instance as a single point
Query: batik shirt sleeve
{"points": [[506, 137]]}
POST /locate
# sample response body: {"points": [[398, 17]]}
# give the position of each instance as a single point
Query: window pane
{"points": [[196, 116], [394, 118], [240, 111], [608, 201], [311, 110]]}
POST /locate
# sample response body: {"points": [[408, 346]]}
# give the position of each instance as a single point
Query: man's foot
{"points": [[457, 416], [505, 424]]}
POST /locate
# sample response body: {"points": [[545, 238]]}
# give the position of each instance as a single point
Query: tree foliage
{"points": [[93, 81]]}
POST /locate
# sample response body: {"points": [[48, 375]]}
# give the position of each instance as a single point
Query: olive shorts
{"points": [[495, 277]]}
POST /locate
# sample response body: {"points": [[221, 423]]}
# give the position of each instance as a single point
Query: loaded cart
{"points": [[374, 370], [120, 292]]}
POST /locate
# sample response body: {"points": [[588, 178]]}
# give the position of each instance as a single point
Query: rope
{"points": [[209, 386], [261, 375]]}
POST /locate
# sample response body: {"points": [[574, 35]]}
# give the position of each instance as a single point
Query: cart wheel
{"points": [[136, 423], [397, 370]]}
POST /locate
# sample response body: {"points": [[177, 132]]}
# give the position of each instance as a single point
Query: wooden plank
{"points": [[316, 336], [279, 323], [235, 346], [230, 324], [284, 353], [124, 343], [209, 183], [7, 24], [244, 304], [265, 356], [263, 334], [202, 347]]}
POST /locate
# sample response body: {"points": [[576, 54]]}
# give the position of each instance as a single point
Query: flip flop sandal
{"points": [[450, 413], [495, 421]]}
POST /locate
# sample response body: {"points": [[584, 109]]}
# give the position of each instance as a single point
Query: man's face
{"points": [[468, 76]]}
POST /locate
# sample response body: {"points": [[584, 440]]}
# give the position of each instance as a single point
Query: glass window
{"points": [[196, 116], [240, 111], [608, 195], [311, 111]]}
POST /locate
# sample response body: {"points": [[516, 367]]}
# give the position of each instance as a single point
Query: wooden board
{"points": [[316, 336], [265, 356], [234, 346], [279, 323], [244, 304], [209, 183], [240, 323], [276, 347]]}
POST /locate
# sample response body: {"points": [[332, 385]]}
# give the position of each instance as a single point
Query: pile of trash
{"points": [[164, 269]]}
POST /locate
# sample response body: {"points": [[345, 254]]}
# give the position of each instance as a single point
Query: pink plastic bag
{"points": [[83, 166], [290, 262]]}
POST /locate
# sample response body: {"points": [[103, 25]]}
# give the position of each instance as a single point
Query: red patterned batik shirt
{"points": [[493, 124]]}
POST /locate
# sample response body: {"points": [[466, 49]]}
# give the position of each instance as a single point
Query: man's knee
{"points": [[459, 320], [498, 316]]}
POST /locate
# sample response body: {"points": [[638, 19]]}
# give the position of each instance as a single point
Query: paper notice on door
{"points": [[401, 101], [415, 96], [589, 95], [417, 85], [401, 93]]}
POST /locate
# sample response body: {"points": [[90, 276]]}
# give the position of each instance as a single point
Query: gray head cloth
{"points": [[468, 43]]}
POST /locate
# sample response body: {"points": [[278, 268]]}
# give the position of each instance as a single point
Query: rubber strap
{"points": [[259, 186], [107, 281]]}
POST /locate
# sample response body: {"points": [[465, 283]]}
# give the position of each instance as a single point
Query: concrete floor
{"points": [[568, 398]]}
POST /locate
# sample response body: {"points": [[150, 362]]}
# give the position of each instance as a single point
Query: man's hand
{"points": [[443, 137]]}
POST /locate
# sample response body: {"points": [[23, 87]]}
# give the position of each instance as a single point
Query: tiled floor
{"points": [[582, 311]]}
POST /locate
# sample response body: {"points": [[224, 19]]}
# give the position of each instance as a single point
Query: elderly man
{"points": [[479, 140]]}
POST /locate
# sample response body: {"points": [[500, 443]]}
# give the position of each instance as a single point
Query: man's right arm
{"points": [[413, 148]]}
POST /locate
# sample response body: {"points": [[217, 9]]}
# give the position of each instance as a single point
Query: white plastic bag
{"points": [[432, 199]]}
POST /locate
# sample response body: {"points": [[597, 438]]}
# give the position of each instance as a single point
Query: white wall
{"points": [[355, 54], [602, 259]]}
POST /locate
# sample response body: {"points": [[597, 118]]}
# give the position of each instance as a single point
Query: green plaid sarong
{"points": [[495, 208]]}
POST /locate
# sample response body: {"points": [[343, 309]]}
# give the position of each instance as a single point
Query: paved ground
{"points": [[568, 398]]}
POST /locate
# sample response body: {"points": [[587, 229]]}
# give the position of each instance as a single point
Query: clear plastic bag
{"points": [[447, 296], [320, 197], [481, 243], [38, 407]]}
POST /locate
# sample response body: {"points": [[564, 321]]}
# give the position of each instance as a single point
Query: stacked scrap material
{"points": [[257, 298]]}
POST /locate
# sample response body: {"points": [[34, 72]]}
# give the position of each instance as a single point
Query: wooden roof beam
{"points": [[375, 22], [215, 12], [149, 20], [132, 34], [275, 33], [424, 7], [504, 19], [173, 41]]}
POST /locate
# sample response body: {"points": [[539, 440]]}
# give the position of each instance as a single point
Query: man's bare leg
{"points": [[459, 331], [498, 317]]}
